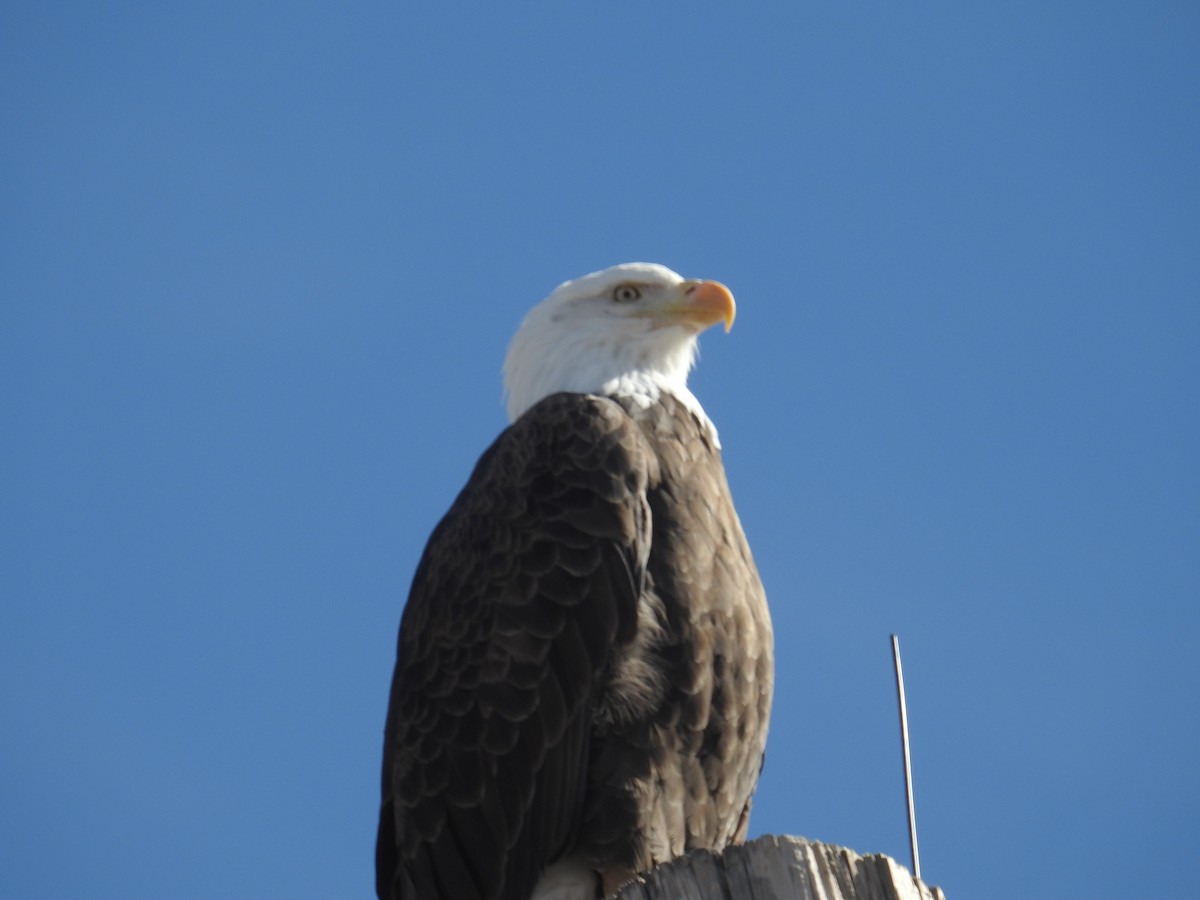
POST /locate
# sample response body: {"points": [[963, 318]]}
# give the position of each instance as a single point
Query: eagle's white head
{"points": [[629, 330]]}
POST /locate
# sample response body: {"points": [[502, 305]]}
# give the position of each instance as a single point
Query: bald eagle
{"points": [[584, 670]]}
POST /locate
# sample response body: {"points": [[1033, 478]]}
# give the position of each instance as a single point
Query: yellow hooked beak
{"points": [[701, 304]]}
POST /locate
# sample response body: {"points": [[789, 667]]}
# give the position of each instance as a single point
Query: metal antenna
{"points": [[908, 785]]}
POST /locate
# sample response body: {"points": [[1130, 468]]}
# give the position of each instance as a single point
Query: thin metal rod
{"points": [[908, 785]]}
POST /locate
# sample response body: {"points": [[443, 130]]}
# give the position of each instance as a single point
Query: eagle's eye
{"points": [[625, 293]]}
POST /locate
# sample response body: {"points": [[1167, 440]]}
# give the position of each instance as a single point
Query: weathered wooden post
{"points": [[780, 868]]}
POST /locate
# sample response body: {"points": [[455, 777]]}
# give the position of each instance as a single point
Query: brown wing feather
{"points": [[527, 587]]}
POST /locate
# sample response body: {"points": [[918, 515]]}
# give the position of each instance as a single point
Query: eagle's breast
{"points": [[679, 741]]}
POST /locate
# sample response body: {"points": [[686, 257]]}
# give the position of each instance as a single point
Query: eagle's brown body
{"points": [[585, 662]]}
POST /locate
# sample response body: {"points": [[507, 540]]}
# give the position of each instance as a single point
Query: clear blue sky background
{"points": [[258, 268]]}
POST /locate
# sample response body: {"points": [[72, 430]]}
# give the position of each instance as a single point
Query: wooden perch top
{"points": [[780, 868]]}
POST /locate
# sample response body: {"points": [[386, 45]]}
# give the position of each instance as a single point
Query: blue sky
{"points": [[259, 265]]}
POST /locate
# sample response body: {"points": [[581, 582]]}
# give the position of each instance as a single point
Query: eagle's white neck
{"points": [[644, 389]]}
